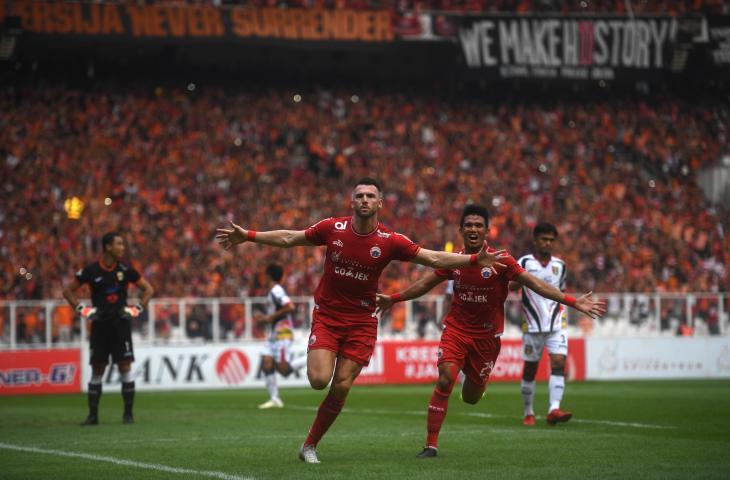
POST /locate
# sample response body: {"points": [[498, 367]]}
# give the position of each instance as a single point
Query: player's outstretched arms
{"points": [[228, 237], [420, 287], [584, 303], [434, 259]]}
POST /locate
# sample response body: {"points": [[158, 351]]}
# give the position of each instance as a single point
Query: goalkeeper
{"points": [[111, 319]]}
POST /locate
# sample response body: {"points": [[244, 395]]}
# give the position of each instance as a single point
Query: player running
{"points": [[544, 325], [474, 324], [344, 324], [111, 319], [281, 335]]}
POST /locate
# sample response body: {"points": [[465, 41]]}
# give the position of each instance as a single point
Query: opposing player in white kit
{"points": [[281, 336], [544, 326]]}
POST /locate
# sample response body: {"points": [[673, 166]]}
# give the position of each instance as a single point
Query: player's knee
{"points": [[445, 383], [318, 383], [284, 369], [558, 370]]}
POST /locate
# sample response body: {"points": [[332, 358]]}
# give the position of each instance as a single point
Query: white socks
{"points": [[557, 387], [127, 377], [528, 396], [272, 386]]}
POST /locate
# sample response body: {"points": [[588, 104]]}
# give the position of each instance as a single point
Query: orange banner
{"points": [[200, 21]]}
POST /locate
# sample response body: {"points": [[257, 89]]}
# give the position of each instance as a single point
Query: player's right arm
{"points": [[275, 238], [420, 287]]}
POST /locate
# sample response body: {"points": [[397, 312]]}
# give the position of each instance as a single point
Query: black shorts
{"points": [[111, 336]]}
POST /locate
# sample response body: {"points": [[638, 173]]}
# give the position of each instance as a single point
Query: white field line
{"points": [[485, 415], [123, 462]]}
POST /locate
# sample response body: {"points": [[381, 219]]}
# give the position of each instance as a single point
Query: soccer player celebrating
{"points": [[344, 324], [281, 335], [544, 326], [111, 319], [470, 341]]}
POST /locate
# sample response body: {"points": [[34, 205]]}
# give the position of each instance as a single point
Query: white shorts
{"points": [[281, 350], [534, 343]]}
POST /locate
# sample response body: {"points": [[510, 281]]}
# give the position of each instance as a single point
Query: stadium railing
{"points": [[51, 323]]}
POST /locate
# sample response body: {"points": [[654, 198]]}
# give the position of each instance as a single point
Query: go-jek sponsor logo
{"points": [[58, 374], [232, 367]]}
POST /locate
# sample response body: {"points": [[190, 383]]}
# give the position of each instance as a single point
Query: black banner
{"points": [[573, 48]]}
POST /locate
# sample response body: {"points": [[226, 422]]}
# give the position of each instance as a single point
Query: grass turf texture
{"points": [[662, 429]]}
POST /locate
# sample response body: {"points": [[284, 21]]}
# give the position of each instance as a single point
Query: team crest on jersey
{"points": [[312, 339], [528, 349], [486, 272], [338, 243], [375, 252], [120, 276], [336, 256], [555, 269]]}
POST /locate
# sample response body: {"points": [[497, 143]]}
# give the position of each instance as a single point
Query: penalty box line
{"points": [[123, 462]]}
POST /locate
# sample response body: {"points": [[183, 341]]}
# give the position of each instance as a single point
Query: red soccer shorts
{"points": [[474, 356], [355, 342]]}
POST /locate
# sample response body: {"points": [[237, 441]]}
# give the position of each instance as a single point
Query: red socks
{"points": [[437, 408], [326, 415]]}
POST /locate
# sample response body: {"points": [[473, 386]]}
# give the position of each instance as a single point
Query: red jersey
{"points": [[477, 307], [352, 267]]}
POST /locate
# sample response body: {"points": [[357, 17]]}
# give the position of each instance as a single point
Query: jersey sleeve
{"points": [[513, 269], [83, 275], [133, 275], [317, 233], [280, 297], [403, 248], [445, 273]]}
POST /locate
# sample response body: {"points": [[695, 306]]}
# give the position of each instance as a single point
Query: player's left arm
{"points": [[147, 292], [280, 313], [446, 260], [584, 303]]}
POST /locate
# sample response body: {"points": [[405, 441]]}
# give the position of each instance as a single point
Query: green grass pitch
{"points": [[660, 429]]}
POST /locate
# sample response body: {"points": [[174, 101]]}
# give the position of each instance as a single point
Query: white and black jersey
{"points": [[541, 314]]}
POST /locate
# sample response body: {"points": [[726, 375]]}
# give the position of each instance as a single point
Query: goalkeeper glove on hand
{"points": [[134, 311], [85, 311]]}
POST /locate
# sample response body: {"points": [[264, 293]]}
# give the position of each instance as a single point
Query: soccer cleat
{"points": [[427, 452], [308, 454], [273, 403], [127, 418], [558, 416], [90, 420], [529, 420]]}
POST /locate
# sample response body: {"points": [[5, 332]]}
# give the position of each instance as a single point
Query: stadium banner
{"points": [[220, 366], [719, 41], [657, 358], [196, 367], [40, 371], [130, 20], [567, 47], [400, 361]]}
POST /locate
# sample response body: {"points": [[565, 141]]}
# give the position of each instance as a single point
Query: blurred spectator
{"points": [[166, 167]]}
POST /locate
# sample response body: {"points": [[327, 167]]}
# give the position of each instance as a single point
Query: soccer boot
{"points": [[127, 418], [427, 452], [90, 420], [558, 416], [529, 420], [308, 454], [273, 403]]}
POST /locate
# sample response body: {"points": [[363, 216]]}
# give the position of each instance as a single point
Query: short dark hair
{"points": [[108, 239], [369, 181], [544, 227], [275, 272], [474, 209]]}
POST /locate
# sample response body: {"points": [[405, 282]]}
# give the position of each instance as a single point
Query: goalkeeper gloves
{"points": [[85, 311], [134, 311]]}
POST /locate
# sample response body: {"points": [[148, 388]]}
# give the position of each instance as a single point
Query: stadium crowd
{"points": [[167, 167]]}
